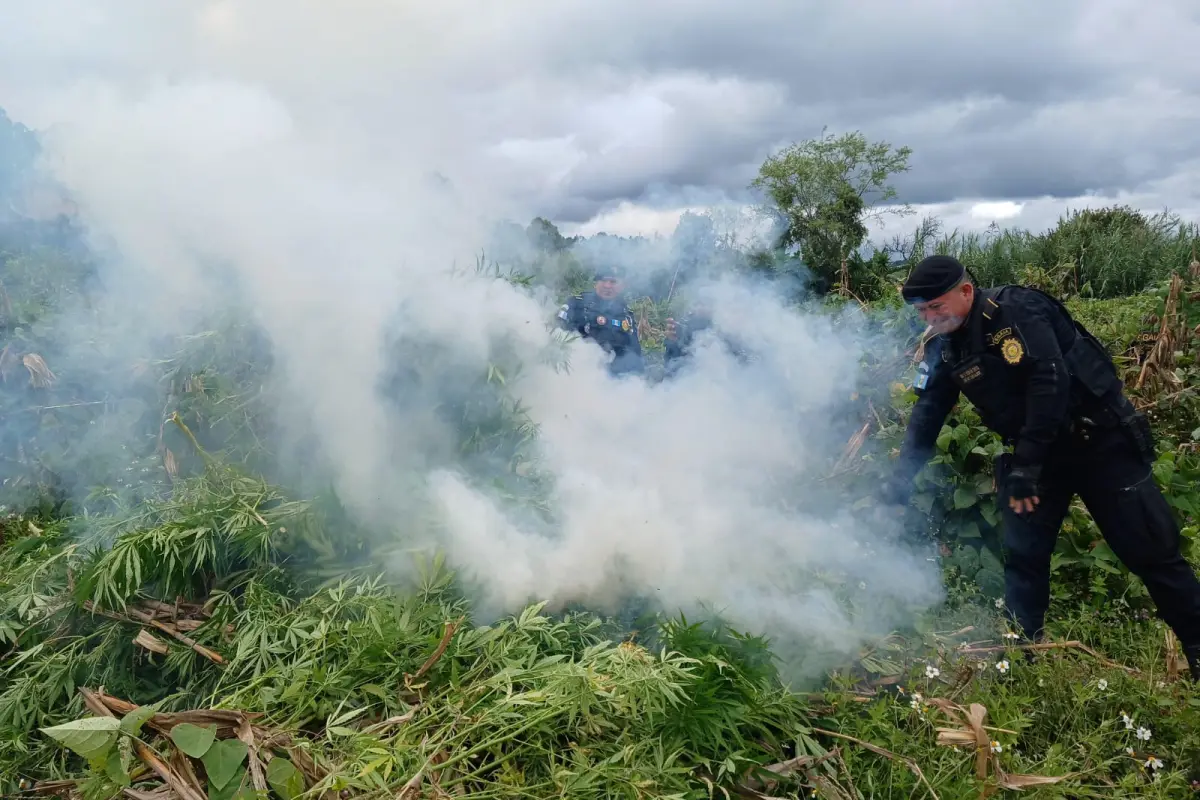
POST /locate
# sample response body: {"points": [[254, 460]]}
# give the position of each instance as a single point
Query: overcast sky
{"points": [[619, 114]]}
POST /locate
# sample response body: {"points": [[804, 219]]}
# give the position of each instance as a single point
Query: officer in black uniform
{"points": [[680, 338], [1049, 388], [603, 316], [677, 343]]}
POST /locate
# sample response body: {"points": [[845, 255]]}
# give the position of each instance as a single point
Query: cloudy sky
{"points": [[617, 115]]}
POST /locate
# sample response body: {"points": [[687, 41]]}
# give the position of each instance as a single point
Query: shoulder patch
{"points": [[1000, 335]]}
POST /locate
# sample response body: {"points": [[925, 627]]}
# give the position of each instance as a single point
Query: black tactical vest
{"points": [[995, 383]]}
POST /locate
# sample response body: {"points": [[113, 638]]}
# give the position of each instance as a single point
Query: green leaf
{"points": [[114, 767], [964, 497], [376, 690], [284, 778], [233, 788], [223, 761], [131, 723], [193, 740], [90, 737], [970, 530]]}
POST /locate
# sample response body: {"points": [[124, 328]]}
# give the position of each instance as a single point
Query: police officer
{"points": [[1049, 388], [679, 335], [679, 341], [603, 316]]}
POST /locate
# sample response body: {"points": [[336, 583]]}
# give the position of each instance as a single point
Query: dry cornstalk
{"points": [[451, 627], [785, 769], [258, 777], [1162, 356], [148, 619], [40, 376], [877, 750], [226, 721], [1175, 663], [969, 731], [1051, 646], [151, 642]]}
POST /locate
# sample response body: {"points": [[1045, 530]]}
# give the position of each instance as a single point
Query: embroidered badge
{"points": [[625, 325], [601, 320], [1012, 350]]}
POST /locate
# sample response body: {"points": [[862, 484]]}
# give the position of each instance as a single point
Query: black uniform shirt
{"points": [[1008, 360]]}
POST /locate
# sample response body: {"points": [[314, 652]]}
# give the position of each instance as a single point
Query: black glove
{"points": [[1021, 482]]}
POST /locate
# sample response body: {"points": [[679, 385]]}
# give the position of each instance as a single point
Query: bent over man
{"points": [[603, 315], [1050, 389]]}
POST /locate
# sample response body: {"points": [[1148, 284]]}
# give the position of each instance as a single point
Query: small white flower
{"points": [[1153, 763], [1041, 682], [999, 602], [1002, 666], [1102, 684], [932, 672], [996, 748], [1143, 734], [1129, 750], [1011, 635], [1128, 720], [862, 585]]}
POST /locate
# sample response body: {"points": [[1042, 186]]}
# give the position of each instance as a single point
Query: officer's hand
{"points": [[671, 330], [1022, 490]]}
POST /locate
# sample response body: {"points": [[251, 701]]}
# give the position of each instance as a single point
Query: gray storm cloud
{"points": [[261, 156]]}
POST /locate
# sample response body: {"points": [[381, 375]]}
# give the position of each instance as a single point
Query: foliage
{"points": [[192, 611], [823, 189]]}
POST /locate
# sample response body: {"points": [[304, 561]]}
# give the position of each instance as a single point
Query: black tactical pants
{"points": [[1116, 486]]}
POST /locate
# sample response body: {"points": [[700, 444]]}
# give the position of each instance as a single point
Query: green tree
{"points": [[545, 236], [824, 190]]}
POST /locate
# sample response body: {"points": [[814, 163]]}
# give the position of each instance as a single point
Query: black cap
{"points": [[931, 278], [609, 272]]}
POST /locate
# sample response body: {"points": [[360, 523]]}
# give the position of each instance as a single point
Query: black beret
{"points": [[931, 278]]}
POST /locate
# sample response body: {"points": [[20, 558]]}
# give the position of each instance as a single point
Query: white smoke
{"points": [[287, 157]]}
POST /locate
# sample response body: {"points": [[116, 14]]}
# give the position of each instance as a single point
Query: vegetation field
{"points": [[177, 620]]}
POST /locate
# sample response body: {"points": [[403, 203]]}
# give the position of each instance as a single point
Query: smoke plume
{"points": [[325, 166]]}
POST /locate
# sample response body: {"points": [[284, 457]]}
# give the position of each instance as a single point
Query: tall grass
{"points": [[1093, 253]]}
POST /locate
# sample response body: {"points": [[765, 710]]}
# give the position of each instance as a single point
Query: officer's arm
{"points": [[934, 403], [674, 348], [1048, 389], [568, 315]]}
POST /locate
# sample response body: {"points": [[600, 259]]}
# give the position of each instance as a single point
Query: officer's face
{"points": [[608, 288], [947, 313]]}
